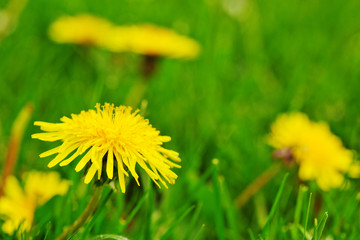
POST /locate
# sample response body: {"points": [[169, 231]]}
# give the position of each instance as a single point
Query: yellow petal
{"points": [[110, 163]]}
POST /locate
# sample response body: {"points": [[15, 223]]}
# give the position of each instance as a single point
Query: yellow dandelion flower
{"points": [[17, 206], [111, 138], [82, 29], [152, 40], [354, 171], [319, 153], [40, 186]]}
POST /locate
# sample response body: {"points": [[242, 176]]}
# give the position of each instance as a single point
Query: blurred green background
{"points": [[259, 59]]}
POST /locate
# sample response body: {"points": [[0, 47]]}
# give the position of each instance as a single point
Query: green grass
{"points": [[271, 57]]}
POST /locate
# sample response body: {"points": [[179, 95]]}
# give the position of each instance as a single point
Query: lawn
{"points": [[258, 60]]}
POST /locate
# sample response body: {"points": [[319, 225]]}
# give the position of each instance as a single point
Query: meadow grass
{"points": [[267, 58]]}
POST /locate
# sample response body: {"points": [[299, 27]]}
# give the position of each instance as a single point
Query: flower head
{"points": [[111, 140], [18, 206], [319, 153], [42, 186], [82, 29], [152, 40]]}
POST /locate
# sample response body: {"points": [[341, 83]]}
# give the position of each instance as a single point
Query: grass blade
{"points": [[266, 230], [109, 237], [199, 232], [320, 228], [133, 213], [194, 218], [171, 228], [217, 195], [298, 207], [252, 236], [230, 211], [307, 216]]}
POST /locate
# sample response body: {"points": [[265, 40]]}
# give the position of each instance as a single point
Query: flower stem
{"points": [[256, 185], [136, 93], [88, 212], [148, 68]]}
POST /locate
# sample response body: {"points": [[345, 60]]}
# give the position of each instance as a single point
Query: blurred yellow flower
{"points": [[152, 40], [116, 139], [319, 153], [17, 206], [354, 171], [82, 29], [146, 39], [42, 186]]}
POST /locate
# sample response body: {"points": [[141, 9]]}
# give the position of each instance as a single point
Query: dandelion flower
{"points": [[42, 186], [319, 153], [18, 206], [151, 40], [111, 139], [354, 171], [82, 29]]}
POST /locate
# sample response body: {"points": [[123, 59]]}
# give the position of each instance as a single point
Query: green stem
{"points": [[97, 91], [256, 185], [87, 213], [148, 68], [307, 216], [136, 93]]}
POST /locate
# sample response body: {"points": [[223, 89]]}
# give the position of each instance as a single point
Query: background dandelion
{"points": [[83, 29], [258, 59], [319, 154], [18, 205]]}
